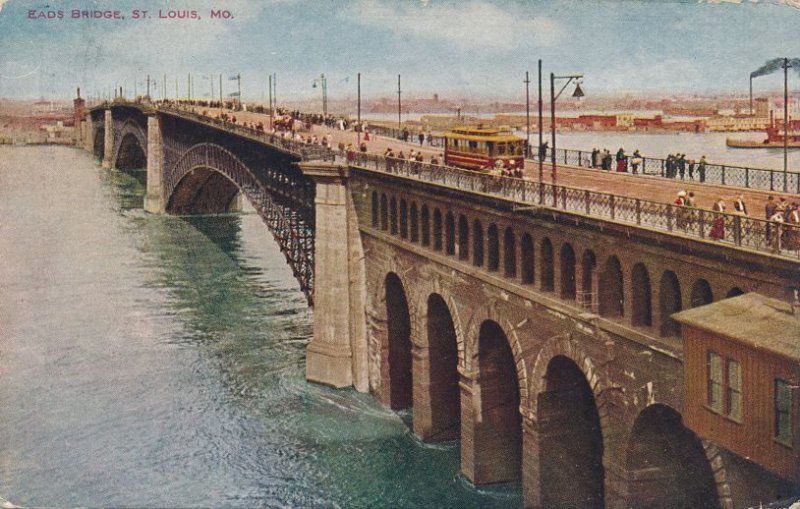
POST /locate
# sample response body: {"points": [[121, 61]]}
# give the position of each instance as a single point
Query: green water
{"points": [[158, 361]]}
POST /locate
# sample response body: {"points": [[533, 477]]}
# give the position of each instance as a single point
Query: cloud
{"points": [[475, 24]]}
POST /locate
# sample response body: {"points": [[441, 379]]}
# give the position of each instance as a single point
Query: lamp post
{"points": [[553, 97], [324, 85], [786, 66], [358, 114]]}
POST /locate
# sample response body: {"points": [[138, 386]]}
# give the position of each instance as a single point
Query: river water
{"points": [[159, 361]]}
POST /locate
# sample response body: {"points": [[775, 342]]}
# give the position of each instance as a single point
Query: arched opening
{"points": [[445, 396], [393, 216], [570, 440], [450, 233], [425, 220], [494, 248], [403, 219], [509, 253], [612, 298], [498, 433], [588, 297], [131, 154], [527, 259], [701, 293], [463, 238], [733, 292], [670, 302], [666, 464], [398, 323], [642, 296], [437, 230], [375, 209], [567, 272], [414, 223], [477, 243], [546, 266], [384, 213], [203, 191]]}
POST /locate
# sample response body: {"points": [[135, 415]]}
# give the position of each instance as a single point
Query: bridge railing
{"points": [[303, 151], [727, 229], [720, 174]]}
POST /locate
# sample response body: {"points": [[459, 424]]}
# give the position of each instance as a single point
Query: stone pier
{"points": [[154, 199], [337, 355], [108, 145]]}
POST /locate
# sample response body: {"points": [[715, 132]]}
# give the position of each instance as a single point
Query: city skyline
{"points": [[620, 47]]}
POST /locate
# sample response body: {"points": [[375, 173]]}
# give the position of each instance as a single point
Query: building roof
{"points": [[752, 319]]}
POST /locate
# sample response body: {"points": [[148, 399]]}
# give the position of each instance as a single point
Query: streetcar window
{"points": [[473, 146], [491, 148], [501, 149]]}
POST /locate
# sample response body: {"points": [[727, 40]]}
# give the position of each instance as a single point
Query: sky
{"points": [[456, 48]]}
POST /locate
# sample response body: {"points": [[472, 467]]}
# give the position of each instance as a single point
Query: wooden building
{"points": [[741, 377]]}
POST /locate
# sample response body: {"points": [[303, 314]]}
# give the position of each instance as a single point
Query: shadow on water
{"points": [[239, 307]]}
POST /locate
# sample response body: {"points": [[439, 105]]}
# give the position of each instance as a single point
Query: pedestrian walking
{"points": [[701, 169], [718, 225], [680, 214], [636, 160], [769, 211], [620, 157], [739, 206]]}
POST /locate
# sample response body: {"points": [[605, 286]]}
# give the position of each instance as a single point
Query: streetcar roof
{"points": [[481, 134]]}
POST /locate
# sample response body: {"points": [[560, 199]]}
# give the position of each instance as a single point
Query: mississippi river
{"points": [[159, 361]]}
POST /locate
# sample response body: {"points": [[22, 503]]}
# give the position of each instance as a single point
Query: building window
{"points": [[725, 386], [783, 412], [734, 390], [715, 382]]}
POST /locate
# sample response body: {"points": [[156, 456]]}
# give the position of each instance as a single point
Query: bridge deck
{"points": [[643, 201], [646, 187]]}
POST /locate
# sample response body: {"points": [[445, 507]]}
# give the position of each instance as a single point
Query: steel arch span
{"points": [[207, 177], [125, 129]]}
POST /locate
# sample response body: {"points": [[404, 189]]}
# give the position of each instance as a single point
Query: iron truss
{"points": [[284, 202]]}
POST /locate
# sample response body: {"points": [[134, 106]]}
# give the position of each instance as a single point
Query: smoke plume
{"points": [[776, 64]]}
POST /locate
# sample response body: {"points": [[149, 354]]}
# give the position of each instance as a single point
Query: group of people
{"points": [[786, 233], [676, 166], [604, 160]]}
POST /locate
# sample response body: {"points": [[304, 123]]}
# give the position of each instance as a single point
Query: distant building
{"points": [[741, 377]]}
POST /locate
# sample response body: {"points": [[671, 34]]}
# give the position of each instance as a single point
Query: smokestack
{"points": [[79, 92]]}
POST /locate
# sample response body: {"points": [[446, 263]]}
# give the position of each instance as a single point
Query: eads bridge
{"points": [[535, 324]]}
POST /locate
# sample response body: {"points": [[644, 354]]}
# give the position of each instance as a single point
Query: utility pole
{"points": [[358, 115], [270, 102], [541, 139], [786, 67], [527, 116], [239, 88], [399, 106], [148, 86]]}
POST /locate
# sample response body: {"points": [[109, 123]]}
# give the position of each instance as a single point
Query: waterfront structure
{"points": [[540, 335]]}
